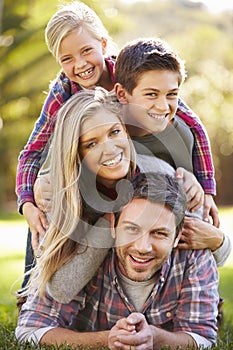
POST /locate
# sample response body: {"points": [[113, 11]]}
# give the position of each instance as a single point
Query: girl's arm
{"points": [[32, 156]]}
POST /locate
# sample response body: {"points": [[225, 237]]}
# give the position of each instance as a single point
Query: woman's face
{"points": [[104, 147]]}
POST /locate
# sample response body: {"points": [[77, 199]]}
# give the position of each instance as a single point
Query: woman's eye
{"points": [[90, 145], [115, 132]]}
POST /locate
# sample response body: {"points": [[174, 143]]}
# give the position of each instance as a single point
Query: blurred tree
{"points": [[26, 69], [204, 40]]}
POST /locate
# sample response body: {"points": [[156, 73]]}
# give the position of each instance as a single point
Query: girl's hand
{"points": [[192, 188], [42, 193], [198, 234], [210, 210], [37, 222]]}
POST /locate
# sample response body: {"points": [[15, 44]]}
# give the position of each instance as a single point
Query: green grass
{"points": [[11, 267]]}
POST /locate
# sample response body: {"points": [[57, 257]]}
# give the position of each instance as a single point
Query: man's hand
{"points": [[42, 193], [37, 222], [132, 332], [210, 210], [192, 188]]}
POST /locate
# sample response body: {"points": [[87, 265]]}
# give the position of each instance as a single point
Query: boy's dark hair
{"points": [[143, 55], [159, 188]]}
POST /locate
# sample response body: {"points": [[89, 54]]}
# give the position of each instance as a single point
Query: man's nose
{"points": [[143, 244]]}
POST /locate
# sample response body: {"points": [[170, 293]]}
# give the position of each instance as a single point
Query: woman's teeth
{"points": [[158, 117], [114, 161]]}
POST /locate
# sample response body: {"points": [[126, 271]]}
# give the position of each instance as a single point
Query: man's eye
{"points": [[159, 233], [132, 229]]}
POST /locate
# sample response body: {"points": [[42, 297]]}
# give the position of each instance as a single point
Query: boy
{"points": [[148, 75]]}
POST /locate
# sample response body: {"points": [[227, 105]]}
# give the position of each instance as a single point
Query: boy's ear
{"points": [[177, 239], [121, 93]]}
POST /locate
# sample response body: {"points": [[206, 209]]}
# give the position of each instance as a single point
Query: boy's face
{"points": [[152, 104], [145, 236]]}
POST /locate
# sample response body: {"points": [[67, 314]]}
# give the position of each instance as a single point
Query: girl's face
{"points": [[82, 58], [104, 147]]}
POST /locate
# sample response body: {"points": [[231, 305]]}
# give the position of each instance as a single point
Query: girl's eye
{"points": [[87, 50], [66, 59]]}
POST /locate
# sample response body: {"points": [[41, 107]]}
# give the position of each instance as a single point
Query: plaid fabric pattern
{"points": [[202, 159], [184, 298], [32, 156]]}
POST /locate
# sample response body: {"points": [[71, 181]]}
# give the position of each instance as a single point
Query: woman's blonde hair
{"points": [[70, 17], [65, 174]]}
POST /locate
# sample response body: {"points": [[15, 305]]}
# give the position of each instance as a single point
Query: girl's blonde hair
{"points": [[65, 174], [70, 17]]}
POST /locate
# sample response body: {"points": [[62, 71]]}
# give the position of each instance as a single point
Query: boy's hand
{"points": [[37, 222], [192, 188], [42, 193], [210, 210], [131, 332]]}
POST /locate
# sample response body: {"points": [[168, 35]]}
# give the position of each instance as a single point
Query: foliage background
{"points": [[202, 38]]}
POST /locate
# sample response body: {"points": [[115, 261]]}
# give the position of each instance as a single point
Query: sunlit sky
{"points": [[213, 5]]}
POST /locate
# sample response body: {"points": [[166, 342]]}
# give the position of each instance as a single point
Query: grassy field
{"points": [[13, 232]]}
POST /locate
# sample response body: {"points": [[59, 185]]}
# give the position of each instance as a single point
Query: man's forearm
{"points": [[59, 336], [172, 339]]}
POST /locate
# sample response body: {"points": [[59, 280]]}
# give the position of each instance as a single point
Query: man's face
{"points": [[153, 102], [145, 236]]}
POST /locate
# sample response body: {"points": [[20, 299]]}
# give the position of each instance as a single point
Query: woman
{"points": [[90, 153]]}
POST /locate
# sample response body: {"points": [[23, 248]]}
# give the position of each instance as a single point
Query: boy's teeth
{"points": [[113, 161]]}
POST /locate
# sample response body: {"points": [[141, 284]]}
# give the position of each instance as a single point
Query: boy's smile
{"points": [[153, 103]]}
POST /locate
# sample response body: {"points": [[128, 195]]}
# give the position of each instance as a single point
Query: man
{"points": [[146, 293]]}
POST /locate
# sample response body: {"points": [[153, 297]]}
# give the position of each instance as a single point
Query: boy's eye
{"points": [[151, 94], [173, 94]]}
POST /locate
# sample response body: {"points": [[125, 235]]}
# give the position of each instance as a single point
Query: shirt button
{"points": [[168, 314]]}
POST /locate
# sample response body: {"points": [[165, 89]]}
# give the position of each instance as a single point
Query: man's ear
{"points": [[177, 239], [121, 93]]}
